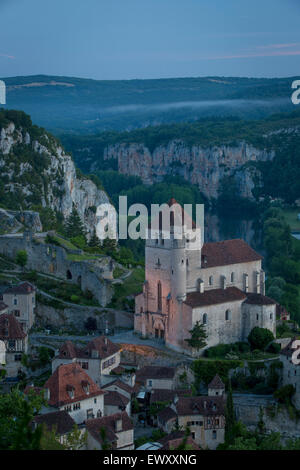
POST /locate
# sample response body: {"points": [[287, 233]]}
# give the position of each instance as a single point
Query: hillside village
{"points": [[117, 388]]}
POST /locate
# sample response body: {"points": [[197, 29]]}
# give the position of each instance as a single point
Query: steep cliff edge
{"points": [[203, 166], [36, 171]]}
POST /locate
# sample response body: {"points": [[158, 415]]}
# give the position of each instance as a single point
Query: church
{"points": [[221, 285]]}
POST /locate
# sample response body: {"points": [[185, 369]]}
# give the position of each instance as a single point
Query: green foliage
{"points": [[259, 338], [74, 227], [21, 258], [285, 393], [205, 371], [198, 336], [16, 413], [221, 350]]}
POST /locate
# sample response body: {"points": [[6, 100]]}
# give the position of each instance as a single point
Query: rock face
{"points": [[202, 166], [13, 221], [36, 170]]}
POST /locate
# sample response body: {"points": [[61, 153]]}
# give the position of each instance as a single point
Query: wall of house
{"points": [[263, 316], [25, 304], [80, 415], [112, 409], [291, 375], [203, 434]]}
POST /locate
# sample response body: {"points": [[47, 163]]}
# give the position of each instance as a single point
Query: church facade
{"points": [[221, 285]]}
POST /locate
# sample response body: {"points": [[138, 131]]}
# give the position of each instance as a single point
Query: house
{"points": [[15, 342], [175, 439], [59, 421], [291, 371], [71, 389], [99, 357], [114, 402], [220, 284], [157, 377], [110, 432], [21, 301], [203, 415], [120, 387]]}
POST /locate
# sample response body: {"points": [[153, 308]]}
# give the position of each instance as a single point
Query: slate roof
{"points": [[173, 440], [119, 384], [23, 289], [163, 395], [10, 328], [216, 383], [227, 252], [60, 420], [108, 422], [214, 296], [102, 344], [68, 377]]}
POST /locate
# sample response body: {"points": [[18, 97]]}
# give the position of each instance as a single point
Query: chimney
{"points": [[118, 424]]}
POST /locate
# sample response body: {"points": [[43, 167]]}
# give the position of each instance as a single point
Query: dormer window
{"points": [[71, 391], [85, 386]]}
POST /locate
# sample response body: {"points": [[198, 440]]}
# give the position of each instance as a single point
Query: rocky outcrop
{"points": [[203, 166], [13, 221], [36, 170]]}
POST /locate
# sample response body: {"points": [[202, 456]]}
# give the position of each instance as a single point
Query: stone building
{"points": [[220, 285], [21, 302], [203, 415], [99, 357], [71, 389], [119, 432], [291, 371], [15, 342]]}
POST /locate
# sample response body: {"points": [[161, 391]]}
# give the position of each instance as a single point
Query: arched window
{"points": [[228, 315], [211, 280], [232, 277], [204, 321], [159, 302]]}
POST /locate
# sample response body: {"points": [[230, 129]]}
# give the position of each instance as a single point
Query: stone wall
{"points": [[76, 316], [94, 275]]}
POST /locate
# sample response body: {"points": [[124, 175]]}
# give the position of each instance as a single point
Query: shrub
{"points": [[75, 298], [259, 338]]}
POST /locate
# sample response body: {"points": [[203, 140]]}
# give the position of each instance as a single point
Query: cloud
{"points": [[275, 53], [7, 56], [279, 46]]}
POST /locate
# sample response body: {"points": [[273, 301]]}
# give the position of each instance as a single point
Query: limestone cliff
{"points": [[36, 171], [203, 166]]}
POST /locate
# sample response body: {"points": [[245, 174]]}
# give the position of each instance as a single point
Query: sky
{"points": [[127, 39]]}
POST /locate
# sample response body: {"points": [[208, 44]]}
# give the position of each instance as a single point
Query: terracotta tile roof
{"points": [[10, 328], [24, 288], [109, 423], [288, 350], [155, 372], [259, 299], [166, 415], [67, 378], [102, 345], [113, 398], [228, 252], [3, 306], [216, 383], [214, 296], [60, 420], [206, 406]]}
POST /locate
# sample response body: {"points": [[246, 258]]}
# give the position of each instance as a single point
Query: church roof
{"points": [[228, 252], [185, 217], [214, 296], [216, 382], [259, 299]]}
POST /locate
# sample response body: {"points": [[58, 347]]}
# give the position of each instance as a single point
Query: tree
{"points": [[198, 336], [285, 393], [21, 258], [106, 445], [261, 427], [74, 226], [259, 338], [229, 415], [94, 241]]}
